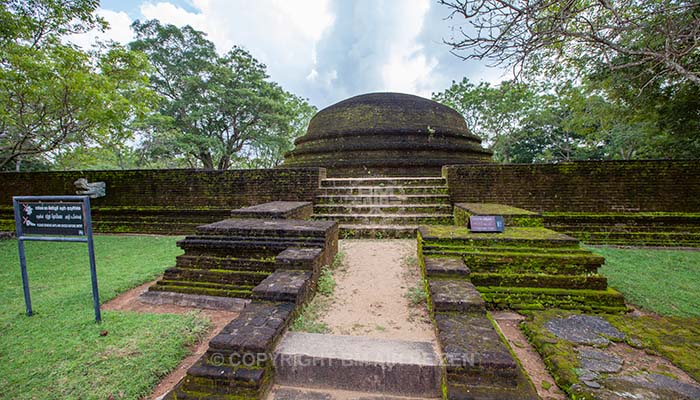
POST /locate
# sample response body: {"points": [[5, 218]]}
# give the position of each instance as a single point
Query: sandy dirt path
{"points": [[370, 297]]}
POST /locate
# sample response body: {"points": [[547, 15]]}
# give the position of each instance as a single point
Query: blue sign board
{"points": [[486, 223], [54, 219]]}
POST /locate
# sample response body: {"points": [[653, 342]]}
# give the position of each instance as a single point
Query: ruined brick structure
{"points": [[386, 134]]}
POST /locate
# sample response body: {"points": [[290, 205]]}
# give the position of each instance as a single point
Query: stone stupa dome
{"points": [[386, 134]]}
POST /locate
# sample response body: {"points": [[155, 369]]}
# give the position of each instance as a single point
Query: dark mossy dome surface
{"points": [[386, 134]]}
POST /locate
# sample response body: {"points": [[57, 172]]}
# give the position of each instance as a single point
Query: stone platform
{"points": [[275, 263], [522, 268], [230, 258], [276, 210], [512, 216]]}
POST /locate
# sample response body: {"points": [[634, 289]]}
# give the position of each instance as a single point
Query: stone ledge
{"points": [[512, 216], [300, 258], [284, 285], [278, 228], [513, 236], [194, 300], [455, 295], [472, 345], [276, 210], [446, 266], [253, 332]]}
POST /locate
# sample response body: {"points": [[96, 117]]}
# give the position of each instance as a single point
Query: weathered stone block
{"points": [[300, 259], [284, 285], [276, 210], [251, 335], [446, 267], [455, 295]]}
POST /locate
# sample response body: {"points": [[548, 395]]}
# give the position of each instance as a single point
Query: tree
{"points": [[54, 96], [662, 36], [494, 113], [527, 123], [216, 111]]}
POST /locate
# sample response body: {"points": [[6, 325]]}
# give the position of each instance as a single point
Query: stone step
{"points": [[446, 267], [295, 393], [284, 285], [561, 281], [199, 288], [226, 263], [389, 181], [215, 276], [521, 262], [538, 298], [276, 228], [384, 199], [383, 190], [513, 236], [383, 209], [387, 219], [455, 295], [622, 228], [479, 364], [358, 363], [360, 231]]}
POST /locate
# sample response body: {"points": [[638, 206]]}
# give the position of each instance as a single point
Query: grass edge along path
{"points": [[657, 280], [60, 352]]}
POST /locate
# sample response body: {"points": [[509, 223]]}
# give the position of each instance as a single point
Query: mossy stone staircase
{"points": [[383, 207]]}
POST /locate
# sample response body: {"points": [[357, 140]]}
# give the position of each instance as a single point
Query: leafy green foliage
{"points": [[59, 352], [216, 111], [55, 97], [604, 118], [551, 38], [417, 295]]}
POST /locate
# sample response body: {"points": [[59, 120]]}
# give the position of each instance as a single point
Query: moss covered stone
{"points": [[387, 134]]}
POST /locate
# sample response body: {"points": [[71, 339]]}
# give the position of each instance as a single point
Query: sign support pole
{"points": [[91, 253], [23, 265]]}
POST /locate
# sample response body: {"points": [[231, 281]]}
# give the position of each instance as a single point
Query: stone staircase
{"points": [[383, 207], [322, 366], [479, 365]]}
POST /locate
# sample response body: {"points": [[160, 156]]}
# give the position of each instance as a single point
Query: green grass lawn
{"points": [[59, 353], [666, 282]]}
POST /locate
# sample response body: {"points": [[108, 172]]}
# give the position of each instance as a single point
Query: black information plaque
{"points": [[486, 223], [52, 218]]}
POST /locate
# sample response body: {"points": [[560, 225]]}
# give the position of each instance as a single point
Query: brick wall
{"points": [[585, 186], [164, 201]]}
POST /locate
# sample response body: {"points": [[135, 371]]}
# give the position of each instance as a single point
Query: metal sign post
{"points": [[54, 219]]}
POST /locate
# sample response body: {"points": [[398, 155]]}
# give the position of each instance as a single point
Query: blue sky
{"points": [[323, 50]]}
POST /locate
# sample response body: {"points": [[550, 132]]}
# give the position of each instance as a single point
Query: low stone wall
{"points": [[165, 201], [584, 186]]}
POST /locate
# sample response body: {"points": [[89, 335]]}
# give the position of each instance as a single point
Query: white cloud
{"points": [[281, 34], [119, 30], [326, 50], [407, 66]]}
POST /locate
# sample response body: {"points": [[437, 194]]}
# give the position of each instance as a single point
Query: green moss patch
{"points": [[530, 298], [674, 338]]}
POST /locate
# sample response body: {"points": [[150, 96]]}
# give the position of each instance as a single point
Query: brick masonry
{"points": [[583, 186], [171, 201]]}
